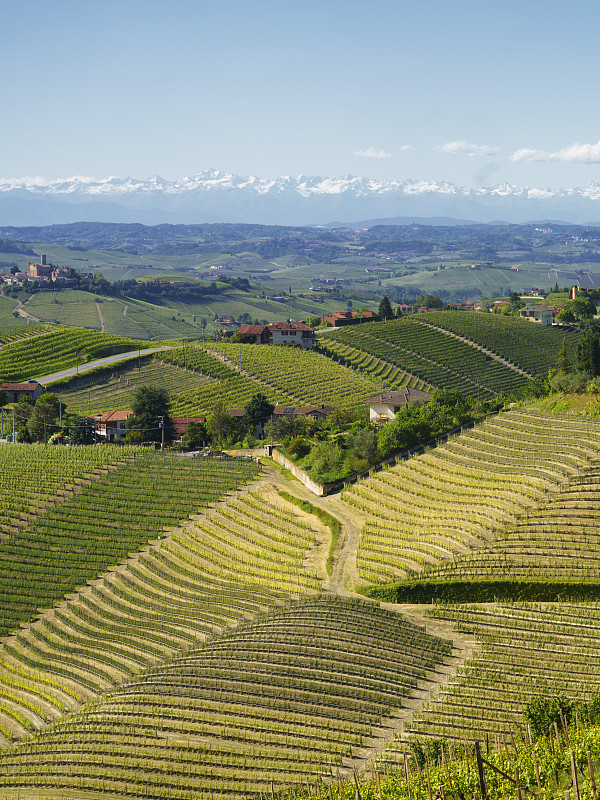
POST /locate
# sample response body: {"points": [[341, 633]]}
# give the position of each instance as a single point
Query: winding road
{"points": [[101, 362]]}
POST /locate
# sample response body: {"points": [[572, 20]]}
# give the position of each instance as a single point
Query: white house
{"points": [[537, 313], [292, 333], [384, 407]]}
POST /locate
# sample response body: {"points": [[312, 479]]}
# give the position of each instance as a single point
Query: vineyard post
{"points": [[518, 784], [592, 779], [537, 771], [574, 775], [482, 786]]}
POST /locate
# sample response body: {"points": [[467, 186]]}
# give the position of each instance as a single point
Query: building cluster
{"points": [[43, 272]]}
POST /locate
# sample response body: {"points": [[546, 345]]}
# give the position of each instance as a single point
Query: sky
{"points": [[473, 93]]}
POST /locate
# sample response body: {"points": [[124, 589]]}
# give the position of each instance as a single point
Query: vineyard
{"points": [[377, 369], [309, 377], [527, 651], [114, 387], [129, 318], [50, 352], [495, 353], [529, 346], [172, 627], [285, 696]]}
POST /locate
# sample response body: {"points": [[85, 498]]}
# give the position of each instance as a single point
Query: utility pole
{"points": [[161, 425], [13, 436], [60, 412]]}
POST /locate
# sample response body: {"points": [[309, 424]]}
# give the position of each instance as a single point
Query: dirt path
{"points": [[345, 580], [19, 308], [489, 353], [100, 317]]}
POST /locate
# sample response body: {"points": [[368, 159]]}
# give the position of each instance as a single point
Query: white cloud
{"points": [[573, 154], [371, 152], [406, 147], [528, 154], [467, 148], [582, 153]]}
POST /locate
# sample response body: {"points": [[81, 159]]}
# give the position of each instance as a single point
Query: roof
{"points": [[180, 424], [250, 330], [537, 307], [113, 416], [280, 411], [30, 386], [290, 326], [400, 397]]}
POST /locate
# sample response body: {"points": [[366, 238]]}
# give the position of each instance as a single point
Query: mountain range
{"points": [[216, 196]]}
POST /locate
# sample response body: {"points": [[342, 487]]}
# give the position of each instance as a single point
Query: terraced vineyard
{"points": [[558, 540], [452, 501], [527, 651], [56, 350], [114, 388], [377, 369], [532, 347], [433, 356], [34, 478], [309, 377], [100, 524], [231, 387], [276, 699]]}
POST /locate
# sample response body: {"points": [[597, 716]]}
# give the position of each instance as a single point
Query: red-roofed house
{"points": [[180, 424], [16, 391], [292, 333], [111, 424], [260, 333]]}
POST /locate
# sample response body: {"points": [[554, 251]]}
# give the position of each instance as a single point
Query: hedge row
{"points": [[482, 591]]}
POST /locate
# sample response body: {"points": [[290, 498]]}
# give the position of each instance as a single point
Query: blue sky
{"points": [[470, 92]]}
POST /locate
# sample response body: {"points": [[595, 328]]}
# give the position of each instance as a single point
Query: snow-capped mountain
{"points": [[215, 196]]}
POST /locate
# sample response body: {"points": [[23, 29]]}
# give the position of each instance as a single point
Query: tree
{"points": [[563, 364], [150, 410], [258, 410], [588, 353], [583, 307], [385, 310], [429, 301], [566, 315], [222, 427], [44, 418], [82, 431], [196, 436]]}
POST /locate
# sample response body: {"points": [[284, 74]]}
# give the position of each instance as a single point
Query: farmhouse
{"points": [[111, 424], [335, 319], [384, 407], [292, 333], [543, 315], [316, 412], [17, 391], [259, 333]]}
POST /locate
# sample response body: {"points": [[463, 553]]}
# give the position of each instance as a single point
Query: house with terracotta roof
{"points": [[111, 425], [316, 412], [17, 391], [295, 334], [259, 333], [384, 407], [543, 315], [180, 424]]}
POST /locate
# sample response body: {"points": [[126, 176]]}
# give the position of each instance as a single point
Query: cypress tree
{"points": [[563, 364], [385, 310], [588, 353]]}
